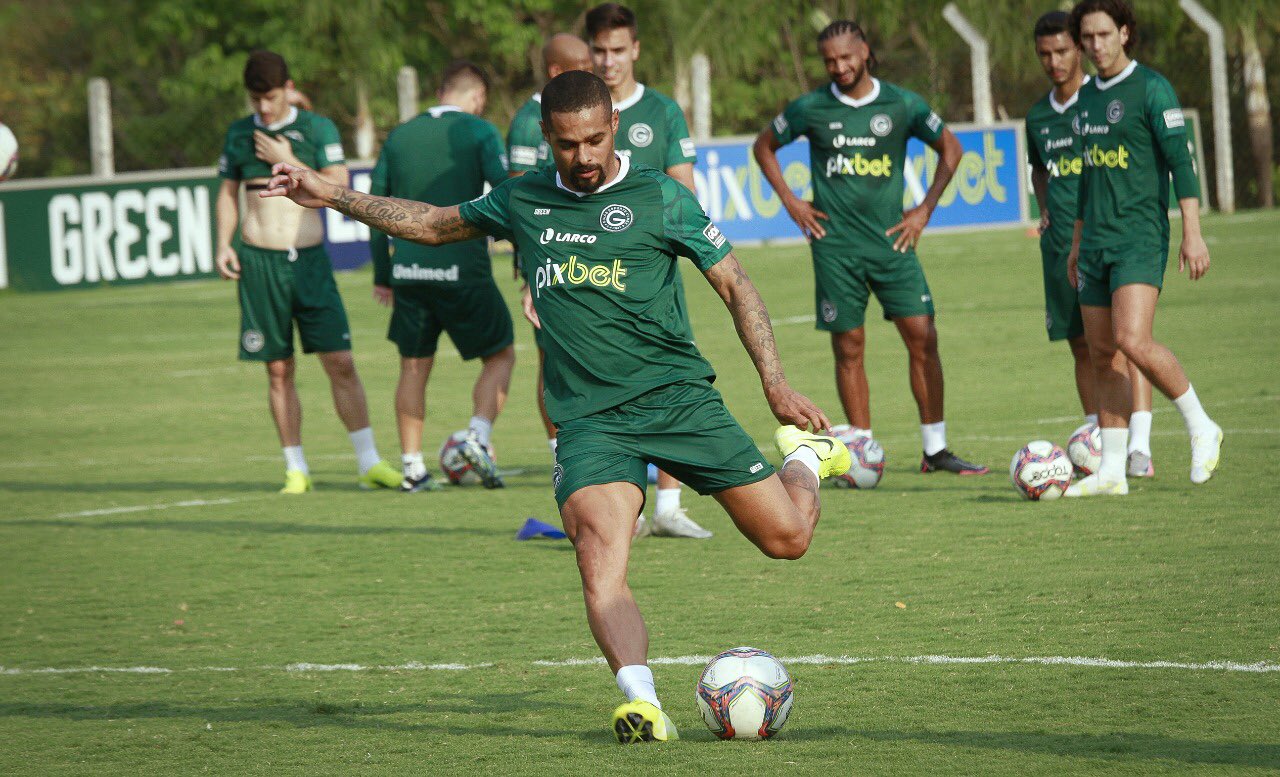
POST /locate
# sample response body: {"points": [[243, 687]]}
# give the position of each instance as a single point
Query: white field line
{"points": [[148, 508], [1260, 667]]}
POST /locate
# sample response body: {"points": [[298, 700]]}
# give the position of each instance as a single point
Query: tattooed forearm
{"points": [[750, 317], [419, 222]]}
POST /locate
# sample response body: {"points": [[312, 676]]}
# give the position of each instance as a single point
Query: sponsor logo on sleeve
{"points": [[1115, 111], [934, 122], [640, 135], [524, 155], [713, 235], [780, 124], [881, 124], [334, 152], [616, 218], [1173, 118], [687, 148]]}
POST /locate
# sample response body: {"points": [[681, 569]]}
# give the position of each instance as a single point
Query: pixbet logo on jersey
{"points": [[860, 165], [576, 272], [1098, 157]]}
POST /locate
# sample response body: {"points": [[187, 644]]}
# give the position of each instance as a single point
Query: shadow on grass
{"points": [[1116, 746], [223, 526]]}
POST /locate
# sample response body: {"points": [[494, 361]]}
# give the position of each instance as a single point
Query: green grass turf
{"points": [[132, 397]]}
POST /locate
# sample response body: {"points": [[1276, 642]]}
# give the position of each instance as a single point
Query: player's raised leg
{"points": [[1111, 381], [349, 400]]}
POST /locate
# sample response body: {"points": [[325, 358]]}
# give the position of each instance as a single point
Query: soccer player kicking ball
{"points": [[599, 237], [446, 154], [862, 242], [1054, 150], [1134, 137], [283, 272]]}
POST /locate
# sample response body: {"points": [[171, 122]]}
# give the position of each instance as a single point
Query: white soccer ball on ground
{"points": [[457, 470], [8, 153], [1085, 449], [867, 457], [1040, 471], [744, 693]]}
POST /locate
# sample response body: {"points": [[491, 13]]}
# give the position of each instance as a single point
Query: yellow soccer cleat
{"points": [[833, 456], [640, 721], [296, 482], [381, 475]]}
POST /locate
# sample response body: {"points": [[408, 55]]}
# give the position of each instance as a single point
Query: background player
{"points": [[861, 240], [527, 151], [444, 156], [1134, 138], [283, 272], [625, 389], [1054, 150], [652, 131]]}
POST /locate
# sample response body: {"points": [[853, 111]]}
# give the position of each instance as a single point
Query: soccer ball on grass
{"points": [[457, 470], [867, 457], [1040, 471], [1085, 449], [744, 693]]}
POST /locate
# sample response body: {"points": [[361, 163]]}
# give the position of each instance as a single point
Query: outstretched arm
{"points": [[405, 219], [752, 321]]}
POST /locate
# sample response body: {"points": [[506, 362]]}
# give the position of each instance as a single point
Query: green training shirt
{"points": [[1054, 145], [314, 139], [652, 130], [601, 268], [443, 156], [857, 149], [1134, 136], [526, 148]]}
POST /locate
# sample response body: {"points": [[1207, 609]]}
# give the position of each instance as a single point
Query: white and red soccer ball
{"points": [[867, 457], [1040, 471], [745, 693], [457, 470], [1085, 449]]}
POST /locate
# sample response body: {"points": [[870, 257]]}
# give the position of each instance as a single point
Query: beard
{"points": [[583, 184]]}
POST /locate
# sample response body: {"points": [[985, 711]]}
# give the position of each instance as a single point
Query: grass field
{"points": [[140, 528]]}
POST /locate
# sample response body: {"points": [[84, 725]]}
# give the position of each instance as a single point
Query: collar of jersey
{"points": [[440, 110], [286, 121], [624, 164], [1105, 84], [847, 100], [630, 101], [1062, 107], [537, 98]]}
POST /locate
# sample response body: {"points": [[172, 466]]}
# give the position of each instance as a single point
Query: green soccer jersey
{"points": [[1134, 136], [1054, 145], [443, 156], [314, 139], [857, 149], [652, 130], [526, 148], [601, 268]]}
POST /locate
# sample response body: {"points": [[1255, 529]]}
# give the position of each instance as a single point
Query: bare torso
{"points": [[276, 223]]}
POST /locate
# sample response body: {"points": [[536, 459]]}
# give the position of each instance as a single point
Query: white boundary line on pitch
{"points": [[1260, 667], [148, 508]]}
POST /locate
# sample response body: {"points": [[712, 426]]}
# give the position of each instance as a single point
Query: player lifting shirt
{"points": [[283, 273]]}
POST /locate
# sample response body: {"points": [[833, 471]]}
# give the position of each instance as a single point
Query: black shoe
{"points": [[414, 485], [946, 461]]}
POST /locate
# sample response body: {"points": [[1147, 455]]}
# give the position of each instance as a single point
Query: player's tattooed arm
{"points": [[751, 318], [419, 222]]}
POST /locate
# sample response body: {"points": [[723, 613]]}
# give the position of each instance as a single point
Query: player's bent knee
{"points": [[787, 548]]}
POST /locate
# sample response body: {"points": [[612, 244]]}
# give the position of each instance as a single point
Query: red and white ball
{"points": [[457, 470], [1040, 471], [1085, 449], [745, 693], [867, 456]]}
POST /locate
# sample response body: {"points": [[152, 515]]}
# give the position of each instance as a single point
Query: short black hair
{"points": [[611, 16], [265, 70], [574, 91], [1052, 23], [849, 27], [1120, 12], [463, 74]]}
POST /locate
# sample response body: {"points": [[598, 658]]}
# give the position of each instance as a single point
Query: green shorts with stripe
{"points": [[844, 282], [1062, 316], [474, 315], [683, 428], [1103, 270], [278, 288]]}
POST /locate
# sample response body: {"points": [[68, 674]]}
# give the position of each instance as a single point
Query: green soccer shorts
{"points": [[1062, 316], [276, 289], [683, 428], [1102, 271], [843, 282], [475, 316]]}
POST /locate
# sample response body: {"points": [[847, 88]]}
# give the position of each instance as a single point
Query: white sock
{"points": [[856, 432], [551, 443], [1140, 431], [414, 466], [806, 456], [293, 459], [1115, 452], [366, 451], [668, 501], [482, 427], [1091, 418], [1192, 413], [934, 437], [636, 682]]}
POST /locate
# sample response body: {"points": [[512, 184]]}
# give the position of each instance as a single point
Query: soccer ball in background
{"points": [[1085, 449], [867, 457], [456, 469], [1040, 471], [744, 693], [8, 153]]}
